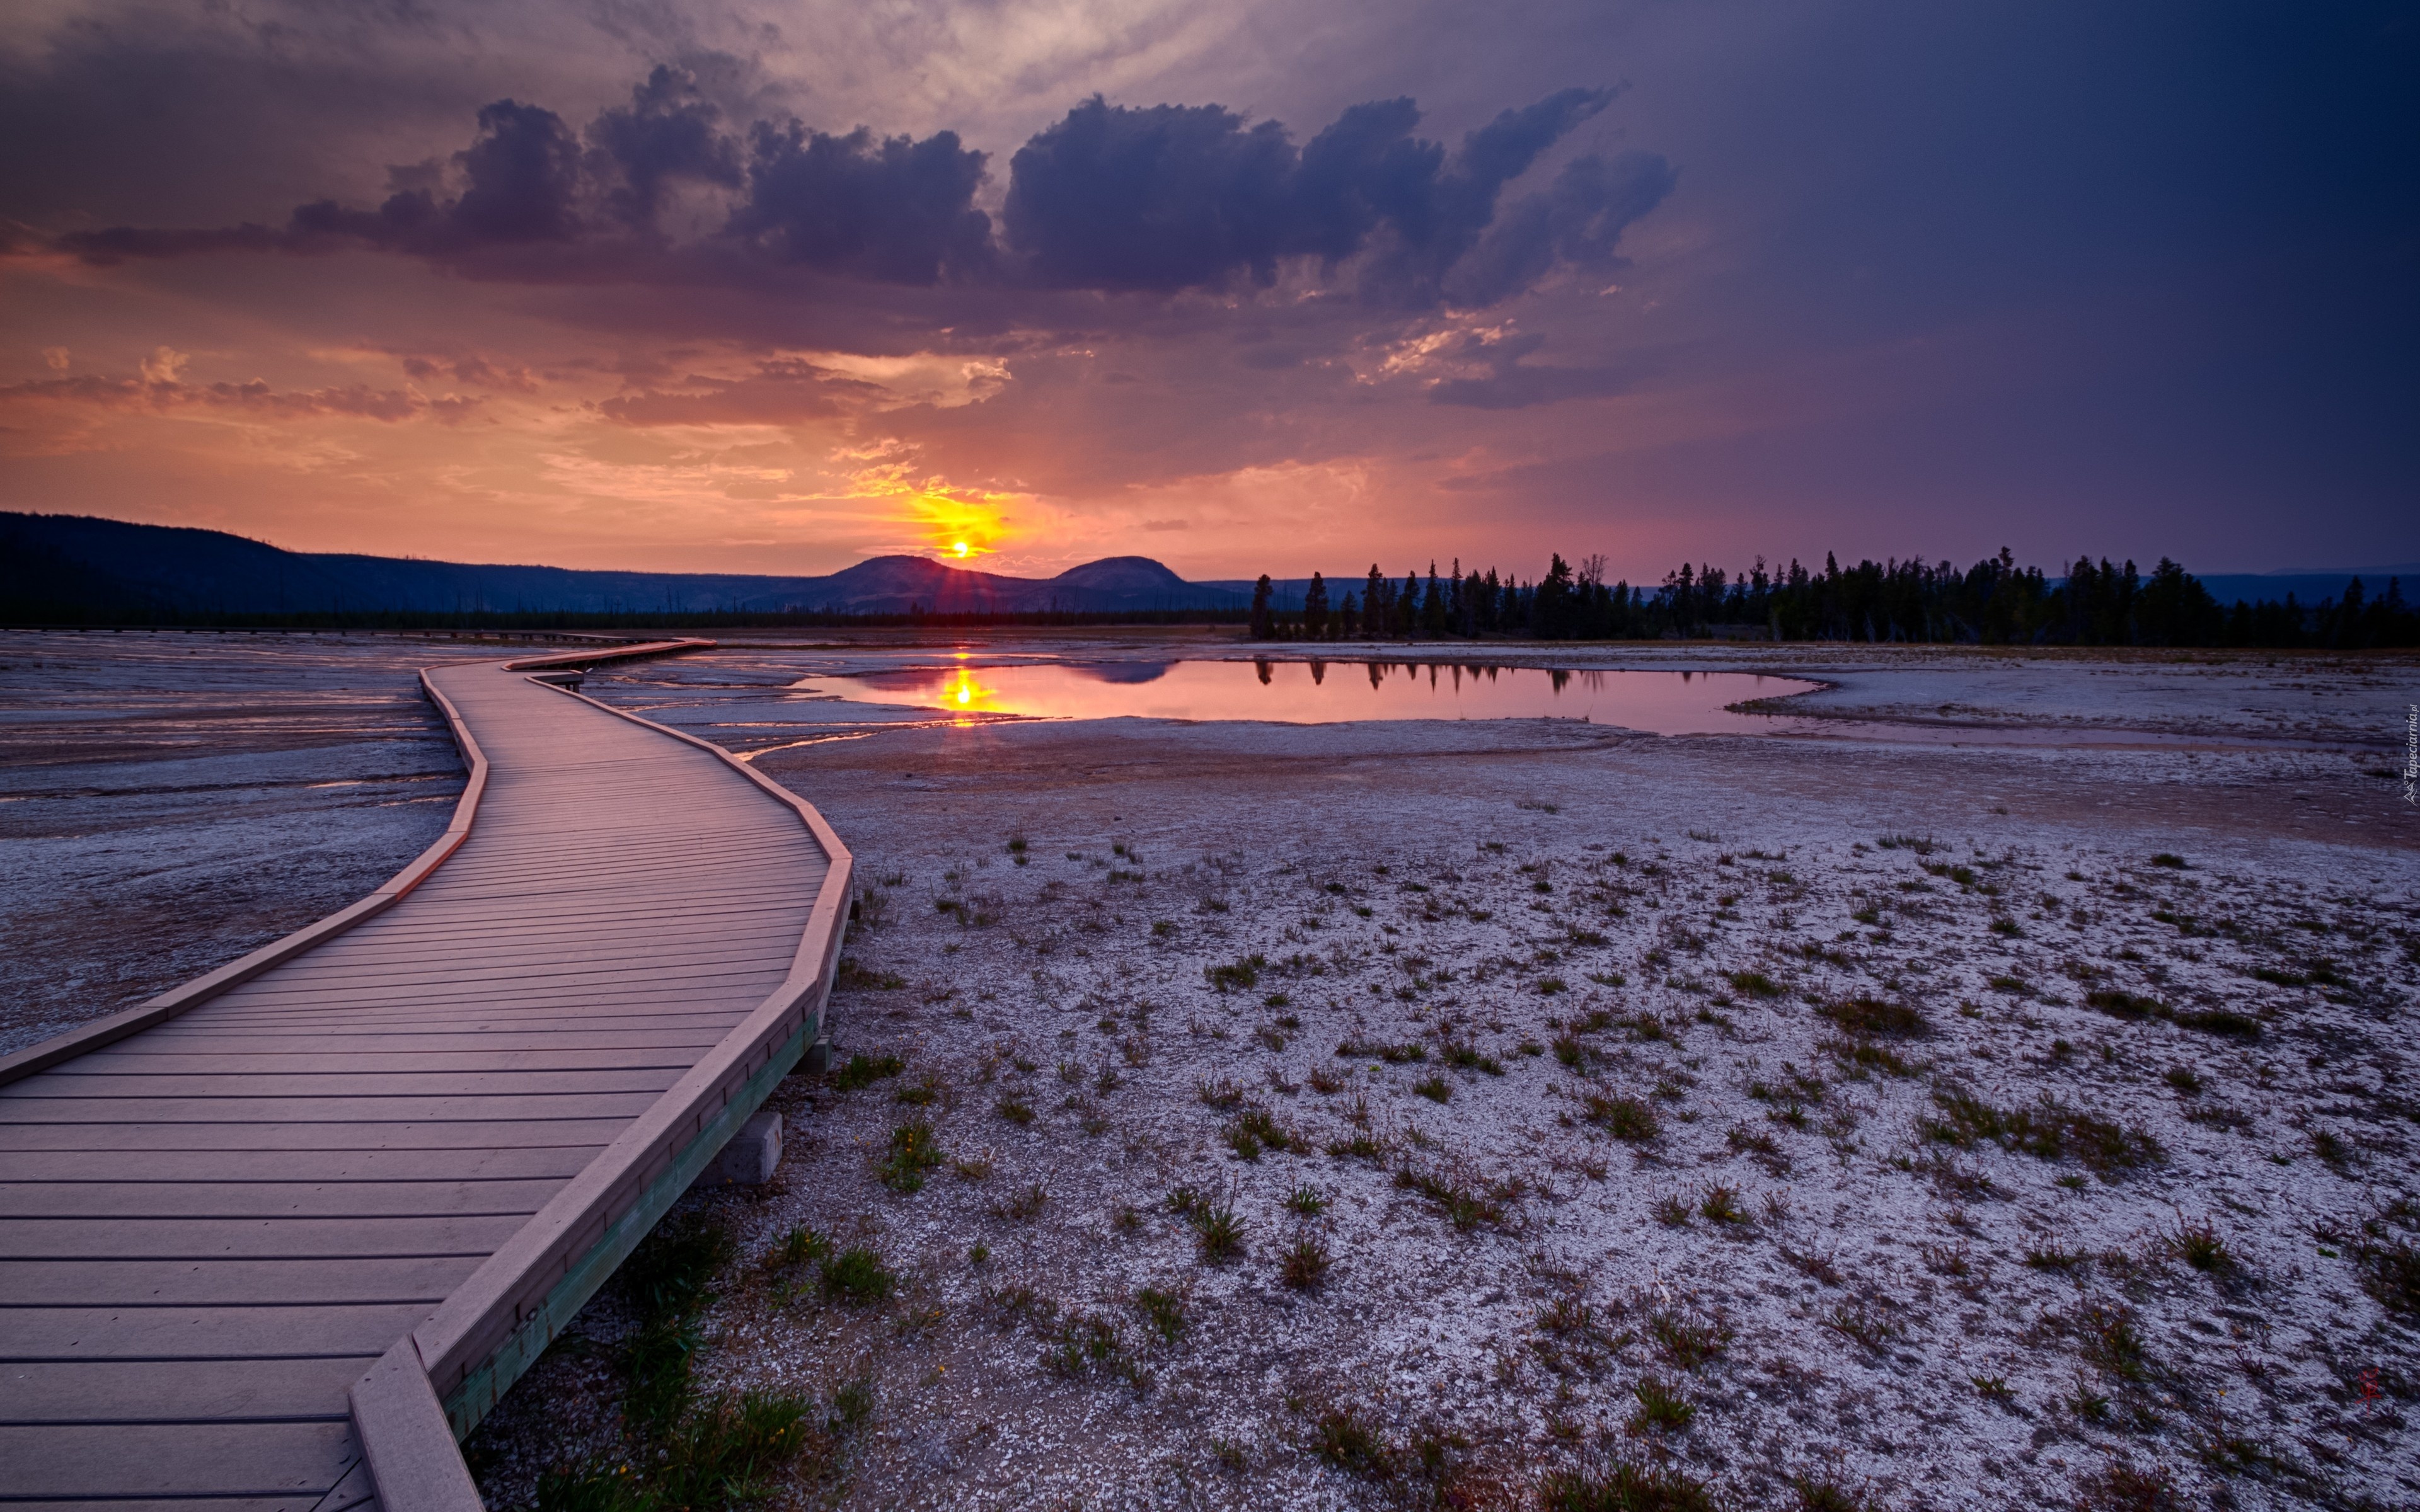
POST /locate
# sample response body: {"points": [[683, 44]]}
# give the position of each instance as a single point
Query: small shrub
{"points": [[2169, 859], [1721, 1204]]}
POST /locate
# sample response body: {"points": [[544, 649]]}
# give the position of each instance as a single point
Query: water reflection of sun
{"points": [[962, 694]]}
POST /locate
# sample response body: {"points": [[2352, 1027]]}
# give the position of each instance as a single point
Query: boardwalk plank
{"points": [[250, 1459], [271, 1199], [202, 1239], [193, 1391], [41, 1334], [424, 1280]]}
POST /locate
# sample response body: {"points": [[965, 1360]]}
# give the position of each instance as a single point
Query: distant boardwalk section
{"points": [[277, 1240]]}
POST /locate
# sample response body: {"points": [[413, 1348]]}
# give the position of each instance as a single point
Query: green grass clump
{"points": [[857, 1275], [684, 1453], [864, 1071], [1624, 1117], [913, 1151], [1625, 1486]]}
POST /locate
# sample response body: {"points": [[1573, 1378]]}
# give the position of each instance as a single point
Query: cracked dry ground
{"points": [[1389, 1116]]}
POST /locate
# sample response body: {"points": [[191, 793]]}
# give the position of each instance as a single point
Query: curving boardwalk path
{"points": [[277, 1239]]}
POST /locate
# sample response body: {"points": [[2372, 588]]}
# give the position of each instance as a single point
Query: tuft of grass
{"points": [[1218, 1233], [1688, 1342], [2200, 1245], [913, 1151], [1304, 1265], [858, 1276], [2168, 858], [1628, 1118], [1877, 1017], [1660, 1405], [1465, 1204], [1393, 1055], [1243, 972], [1306, 1200], [1164, 1310], [1436, 1088], [1349, 1442], [1014, 1108], [1672, 1211], [2127, 1006], [1024, 1205], [1721, 1204], [2048, 1131], [1625, 1486], [864, 1071], [1754, 984]]}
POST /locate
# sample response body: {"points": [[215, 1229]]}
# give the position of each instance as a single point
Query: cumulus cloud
{"points": [[1171, 197], [892, 211], [1114, 198]]}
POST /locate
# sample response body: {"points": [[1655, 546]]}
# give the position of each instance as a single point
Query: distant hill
{"points": [[2308, 587], [74, 566]]}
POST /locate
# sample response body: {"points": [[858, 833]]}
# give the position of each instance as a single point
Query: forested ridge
{"points": [[1995, 602]]}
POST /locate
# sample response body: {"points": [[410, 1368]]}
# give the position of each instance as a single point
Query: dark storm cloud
{"points": [[1171, 197], [1114, 198], [892, 211]]}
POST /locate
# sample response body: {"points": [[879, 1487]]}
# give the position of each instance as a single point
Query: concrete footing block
{"points": [[750, 1158]]}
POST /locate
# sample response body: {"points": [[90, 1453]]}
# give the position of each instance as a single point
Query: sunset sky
{"points": [[1244, 286]]}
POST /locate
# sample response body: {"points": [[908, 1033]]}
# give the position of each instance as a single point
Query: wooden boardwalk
{"points": [[256, 1235]]}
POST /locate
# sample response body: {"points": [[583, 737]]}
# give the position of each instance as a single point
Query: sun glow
{"points": [[959, 549]]}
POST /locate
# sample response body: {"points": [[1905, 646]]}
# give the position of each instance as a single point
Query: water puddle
{"points": [[1324, 692]]}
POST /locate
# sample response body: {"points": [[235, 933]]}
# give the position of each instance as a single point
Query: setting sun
{"points": [[959, 547]]}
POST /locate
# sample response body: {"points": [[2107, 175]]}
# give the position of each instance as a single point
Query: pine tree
{"points": [[1314, 609], [1264, 624]]}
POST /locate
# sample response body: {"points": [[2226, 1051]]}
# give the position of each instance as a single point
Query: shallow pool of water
{"points": [[1315, 692]]}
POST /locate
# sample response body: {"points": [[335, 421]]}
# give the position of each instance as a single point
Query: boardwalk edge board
{"points": [[432, 1386]]}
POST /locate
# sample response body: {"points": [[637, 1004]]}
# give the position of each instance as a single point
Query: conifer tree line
{"points": [[1995, 602]]}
